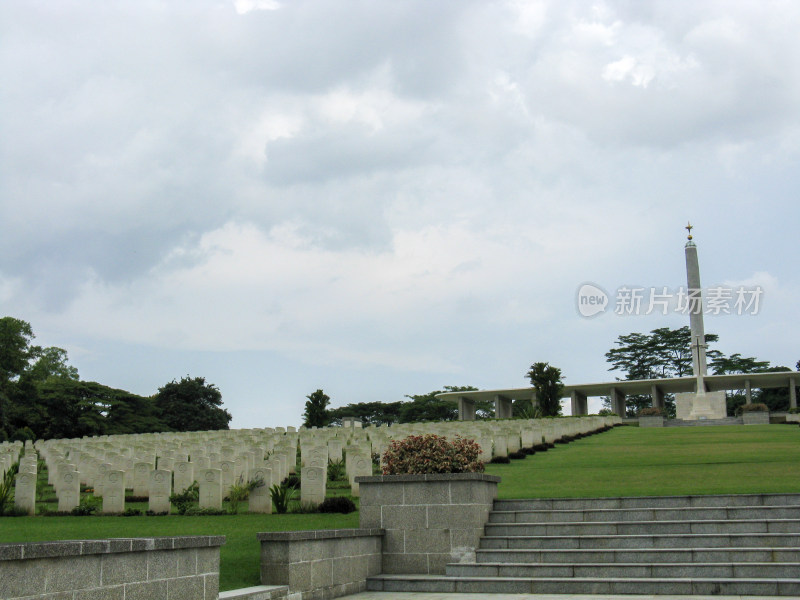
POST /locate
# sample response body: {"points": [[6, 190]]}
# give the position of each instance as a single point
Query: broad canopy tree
{"points": [[42, 396]]}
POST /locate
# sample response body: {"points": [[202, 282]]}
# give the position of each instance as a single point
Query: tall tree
{"points": [[370, 413], [427, 407], [662, 353], [316, 412], [546, 381], [191, 404]]}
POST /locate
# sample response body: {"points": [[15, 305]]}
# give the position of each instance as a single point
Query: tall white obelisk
{"points": [[700, 404]]}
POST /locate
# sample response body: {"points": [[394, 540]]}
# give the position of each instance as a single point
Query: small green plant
{"points": [[182, 500], [240, 491], [6, 487], [282, 494], [304, 508], [337, 504], [132, 512], [196, 511], [336, 470], [88, 506], [420, 454]]}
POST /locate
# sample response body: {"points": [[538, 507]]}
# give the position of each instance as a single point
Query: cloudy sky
{"points": [[384, 198]]}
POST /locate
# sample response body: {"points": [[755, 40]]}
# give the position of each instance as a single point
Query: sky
{"points": [[380, 199]]}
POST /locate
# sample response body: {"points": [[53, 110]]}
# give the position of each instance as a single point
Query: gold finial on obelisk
{"points": [[689, 228]]}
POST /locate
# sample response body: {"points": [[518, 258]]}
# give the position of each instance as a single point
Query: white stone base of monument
{"points": [[695, 407]]}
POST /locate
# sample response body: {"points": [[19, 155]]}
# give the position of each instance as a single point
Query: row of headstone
{"points": [[218, 459]]}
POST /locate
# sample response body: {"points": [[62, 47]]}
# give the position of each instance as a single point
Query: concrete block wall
{"points": [[318, 565], [174, 568], [429, 520]]}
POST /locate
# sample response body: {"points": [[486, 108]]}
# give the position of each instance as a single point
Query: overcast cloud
{"points": [[383, 198]]}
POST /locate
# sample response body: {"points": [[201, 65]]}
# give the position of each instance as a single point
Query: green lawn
{"points": [[623, 462], [630, 461], [240, 556]]}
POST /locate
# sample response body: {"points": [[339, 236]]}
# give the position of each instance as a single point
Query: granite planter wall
{"points": [[651, 421], [429, 520], [317, 565], [757, 417], [185, 568]]}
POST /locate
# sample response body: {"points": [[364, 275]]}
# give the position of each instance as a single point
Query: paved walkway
{"points": [[439, 596]]}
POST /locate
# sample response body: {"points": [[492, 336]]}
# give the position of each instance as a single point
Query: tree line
{"points": [[666, 352], [43, 397]]}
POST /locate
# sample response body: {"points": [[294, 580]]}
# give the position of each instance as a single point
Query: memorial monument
{"points": [[701, 404]]}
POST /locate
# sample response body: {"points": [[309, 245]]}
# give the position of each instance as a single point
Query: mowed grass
{"points": [[631, 461], [626, 461]]}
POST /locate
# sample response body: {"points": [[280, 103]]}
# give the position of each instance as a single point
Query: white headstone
{"points": [[210, 488], [160, 484], [114, 491]]}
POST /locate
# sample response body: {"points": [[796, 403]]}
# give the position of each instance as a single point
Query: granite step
{"points": [[694, 513], [718, 500], [643, 527], [586, 585], [727, 540], [654, 555], [771, 570]]}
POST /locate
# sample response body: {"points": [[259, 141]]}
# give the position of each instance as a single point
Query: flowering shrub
{"points": [[653, 411], [759, 407], [421, 454]]}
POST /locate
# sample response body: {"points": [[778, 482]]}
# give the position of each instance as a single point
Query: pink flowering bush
{"points": [[421, 454]]}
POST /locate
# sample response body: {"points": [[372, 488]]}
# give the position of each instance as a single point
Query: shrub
{"points": [[240, 491], [516, 455], [281, 496], [196, 511], [652, 411], [606, 412], [304, 508], [421, 454], [184, 499], [337, 504], [132, 512], [88, 506], [336, 470], [754, 408], [794, 411], [292, 481], [6, 486], [500, 460]]}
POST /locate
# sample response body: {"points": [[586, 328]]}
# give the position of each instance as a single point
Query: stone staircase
{"points": [[740, 545]]}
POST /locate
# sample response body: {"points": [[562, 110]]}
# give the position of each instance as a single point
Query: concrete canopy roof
{"points": [[713, 383]]}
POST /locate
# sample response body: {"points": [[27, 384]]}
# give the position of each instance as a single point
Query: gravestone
{"points": [[500, 446], [114, 491], [141, 478], [312, 485], [227, 479], [69, 490], [184, 475], [361, 464], [160, 488], [25, 492], [210, 488], [260, 498]]}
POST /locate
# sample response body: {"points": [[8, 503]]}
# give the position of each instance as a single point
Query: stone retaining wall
{"points": [[321, 564], [429, 520], [174, 568]]}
